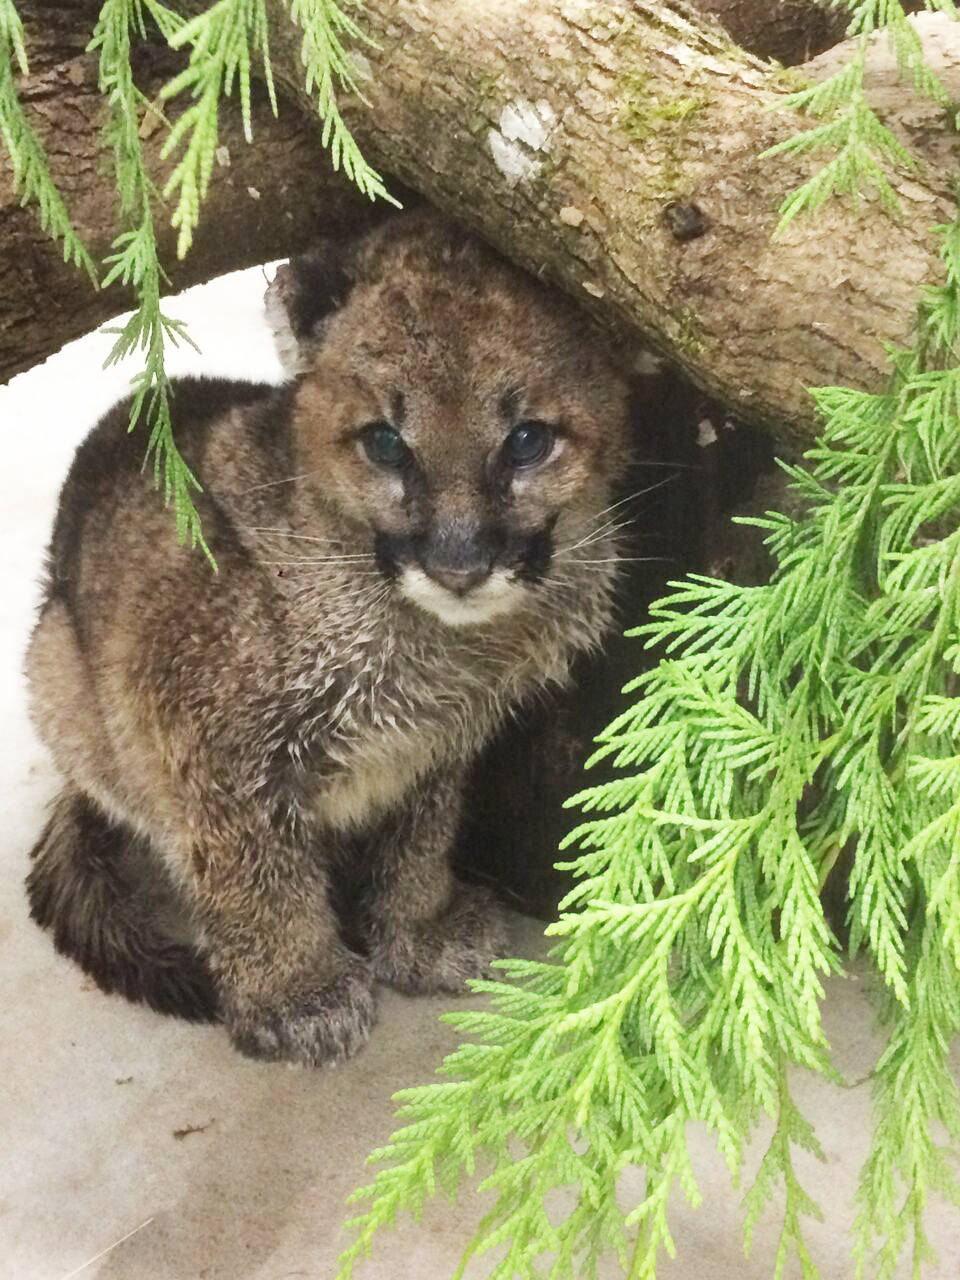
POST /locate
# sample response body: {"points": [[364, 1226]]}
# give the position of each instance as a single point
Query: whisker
{"points": [[342, 589], [310, 579], [286, 533], [287, 480], [607, 529], [310, 569], [628, 560], [638, 493], [349, 559], [611, 525], [359, 591], [680, 466]]}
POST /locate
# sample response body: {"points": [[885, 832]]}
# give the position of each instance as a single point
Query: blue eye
{"points": [[384, 446], [529, 442]]}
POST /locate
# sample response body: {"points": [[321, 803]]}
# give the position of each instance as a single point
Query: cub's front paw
{"points": [[441, 954], [318, 1025]]}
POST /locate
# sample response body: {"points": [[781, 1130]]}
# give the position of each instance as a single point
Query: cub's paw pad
{"points": [[322, 1024], [442, 954]]}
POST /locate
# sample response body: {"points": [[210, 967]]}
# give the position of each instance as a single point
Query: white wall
{"points": [[44, 414]]}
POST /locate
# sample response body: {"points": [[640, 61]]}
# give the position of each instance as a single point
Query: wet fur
{"points": [[264, 767]]}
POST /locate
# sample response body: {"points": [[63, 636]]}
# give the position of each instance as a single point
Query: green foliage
{"points": [[135, 260], [322, 25], [863, 146], [224, 41], [221, 39], [785, 725]]}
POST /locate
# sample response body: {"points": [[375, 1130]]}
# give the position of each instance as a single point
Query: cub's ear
{"points": [[303, 292]]}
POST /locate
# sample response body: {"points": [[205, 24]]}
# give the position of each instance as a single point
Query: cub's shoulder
{"points": [[196, 403], [111, 457]]}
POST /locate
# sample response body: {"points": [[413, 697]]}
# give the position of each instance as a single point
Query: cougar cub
{"points": [[263, 766]]}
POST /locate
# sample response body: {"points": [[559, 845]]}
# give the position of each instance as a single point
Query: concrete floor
{"points": [[120, 1126]]}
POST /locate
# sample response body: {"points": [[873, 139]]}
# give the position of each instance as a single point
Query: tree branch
{"points": [[568, 134], [564, 133]]}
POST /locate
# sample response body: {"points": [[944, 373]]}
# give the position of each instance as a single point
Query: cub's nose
{"points": [[459, 581], [458, 553]]}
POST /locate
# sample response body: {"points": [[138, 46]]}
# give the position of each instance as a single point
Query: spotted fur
{"points": [[264, 767]]}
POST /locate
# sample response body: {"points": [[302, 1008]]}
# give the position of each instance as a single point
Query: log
{"points": [[573, 134], [612, 147]]}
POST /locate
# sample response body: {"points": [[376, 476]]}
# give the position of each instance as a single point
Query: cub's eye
{"points": [[384, 446], [527, 443]]}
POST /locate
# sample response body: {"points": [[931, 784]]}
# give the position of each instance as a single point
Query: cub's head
{"points": [[467, 421]]}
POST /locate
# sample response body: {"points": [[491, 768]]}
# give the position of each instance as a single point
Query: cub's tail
{"points": [[94, 884]]}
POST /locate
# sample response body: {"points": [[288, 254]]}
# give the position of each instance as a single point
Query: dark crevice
{"points": [[700, 466]]}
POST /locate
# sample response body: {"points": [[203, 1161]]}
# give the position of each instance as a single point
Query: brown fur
{"points": [[264, 767]]}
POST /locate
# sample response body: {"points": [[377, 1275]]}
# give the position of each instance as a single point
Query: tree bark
{"points": [[611, 146], [568, 133]]}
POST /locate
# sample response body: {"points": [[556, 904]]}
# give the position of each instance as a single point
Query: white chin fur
{"points": [[499, 594]]}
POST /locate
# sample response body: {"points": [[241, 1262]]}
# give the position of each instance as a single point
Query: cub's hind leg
{"points": [[65, 709], [96, 886]]}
